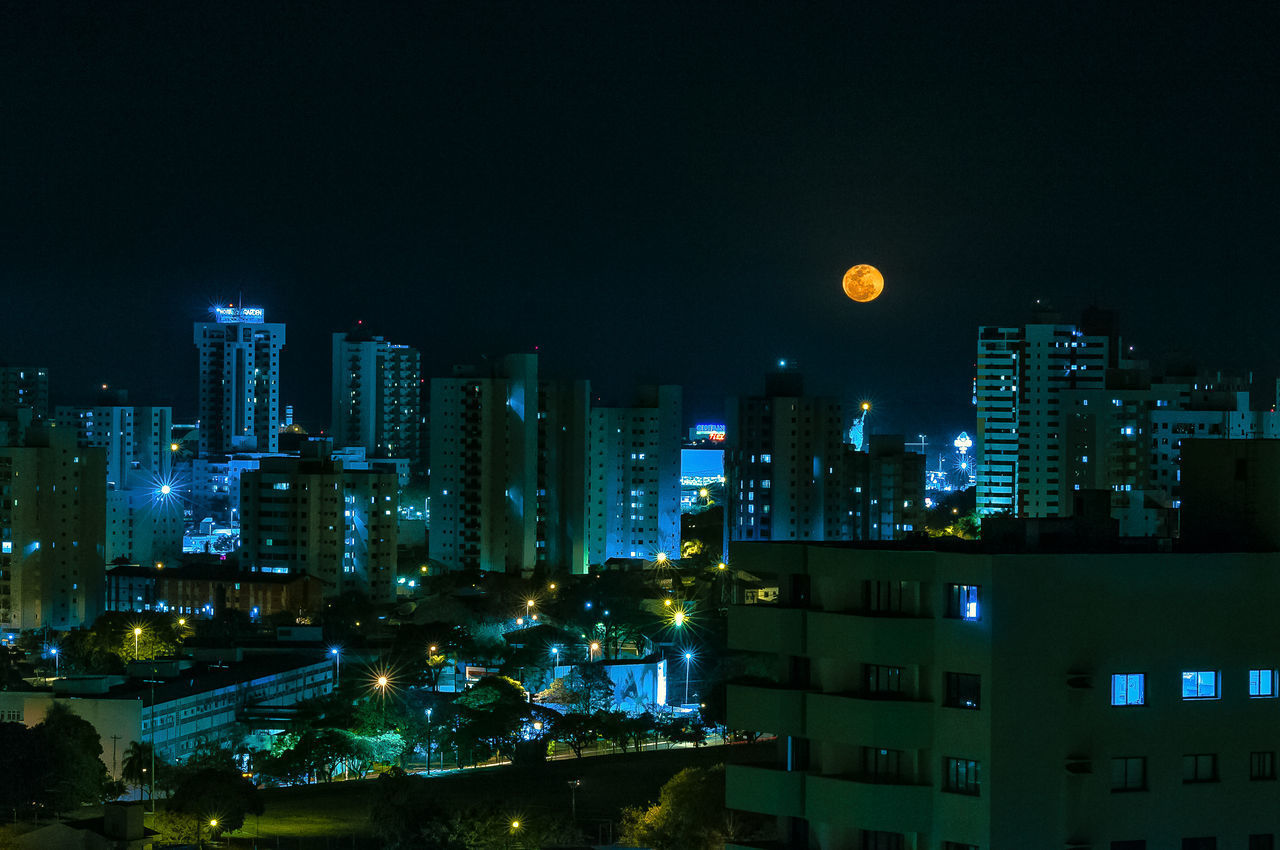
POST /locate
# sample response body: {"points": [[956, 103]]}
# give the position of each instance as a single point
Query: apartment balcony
{"points": [[847, 801], [899, 724], [767, 628], [766, 790], [763, 708]]}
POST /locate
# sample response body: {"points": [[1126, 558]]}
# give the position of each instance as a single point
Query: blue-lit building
{"points": [[239, 367]]}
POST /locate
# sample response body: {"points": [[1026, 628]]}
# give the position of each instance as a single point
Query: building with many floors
{"points": [[635, 477], [52, 515], [239, 395], [1076, 695], [24, 388], [377, 396], [313, 515]]}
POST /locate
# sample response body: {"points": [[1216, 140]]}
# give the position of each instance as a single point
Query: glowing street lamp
{"points": [[337, 666], [688, 660], [137, 633], [595, 647], [678, 618], [660, 558], [55, 661]]}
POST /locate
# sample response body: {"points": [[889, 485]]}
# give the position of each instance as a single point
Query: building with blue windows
{"points": [[970, 697]]}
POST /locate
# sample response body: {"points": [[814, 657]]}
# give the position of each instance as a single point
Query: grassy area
{"points": [[337, 814]]}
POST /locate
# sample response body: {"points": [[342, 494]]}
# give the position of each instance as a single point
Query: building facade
{"points": [[484, 466], [239, 381], [24, 388], [972, 699], [635, 477], [52, 531], [311, 515], [377, 396]]}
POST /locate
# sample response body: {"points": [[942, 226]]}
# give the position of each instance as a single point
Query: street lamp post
{"points": [[55, 661], [337, 666], [137, 632], [688, 657]]}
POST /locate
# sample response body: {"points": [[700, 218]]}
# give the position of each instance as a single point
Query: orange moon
{"points": [[863, 283]]}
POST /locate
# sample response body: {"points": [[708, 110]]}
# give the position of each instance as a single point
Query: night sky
{"points": [[646, 192]]}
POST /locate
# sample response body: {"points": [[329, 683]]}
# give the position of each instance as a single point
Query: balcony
{"points": [[766, 790], [767, 628], [766, 709], [845, 801], [846, 719]]}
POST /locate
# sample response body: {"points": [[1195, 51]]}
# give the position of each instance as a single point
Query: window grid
{"points": [[1262, 765], [960, 776], [1199, 767], [1201, 684], [1128, 689], [1129, 773]]}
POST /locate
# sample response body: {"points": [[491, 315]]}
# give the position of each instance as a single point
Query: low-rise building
{"points": [[177, 703], [205, 589]]}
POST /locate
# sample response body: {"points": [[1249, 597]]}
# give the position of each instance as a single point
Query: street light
{"points": [[137, 632], [595, 647], [55, 661], [337, 666], [688, 659]]}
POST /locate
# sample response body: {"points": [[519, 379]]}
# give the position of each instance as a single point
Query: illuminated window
{"points": [[1129, 689], [1129, 773], [1200, 684], [963, 601], [1262, 684]]}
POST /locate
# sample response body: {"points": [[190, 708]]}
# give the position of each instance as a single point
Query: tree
{"points": [[690, 815], [577, 730], [211, 786], [136, 767], [71, 772]]}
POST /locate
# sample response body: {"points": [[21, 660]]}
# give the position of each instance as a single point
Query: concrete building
{"points": [[145, 498], [177, 703], [311, 515], [782, 452], [484, 466], [1021, 374], [972, 699], [52, 516], [377, 396], [563, 471], [239, 381], [204, 589], [24, 388], [792, 477], [635, 477]]}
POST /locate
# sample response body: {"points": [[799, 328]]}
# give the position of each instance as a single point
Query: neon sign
{"points": [[239, 315]]}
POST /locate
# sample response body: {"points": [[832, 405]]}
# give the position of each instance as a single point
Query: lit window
{"points": [[1200, 684], [963, 601], [1129, 773], [1262, 684], [6, 547], [281, 485], [1129, 689]]}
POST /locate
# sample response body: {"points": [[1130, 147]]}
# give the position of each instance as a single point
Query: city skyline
{"points": [[568, 181]]}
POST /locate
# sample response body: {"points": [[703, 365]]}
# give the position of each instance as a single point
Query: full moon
{"points": [[863, 283]]}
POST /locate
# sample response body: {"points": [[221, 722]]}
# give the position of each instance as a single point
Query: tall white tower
{"points": [[239, 381]]}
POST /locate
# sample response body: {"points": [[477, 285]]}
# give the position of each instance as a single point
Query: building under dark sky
{"points": [[643, 191]]}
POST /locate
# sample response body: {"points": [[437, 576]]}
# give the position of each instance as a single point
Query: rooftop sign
{"points": [[242, 315]]}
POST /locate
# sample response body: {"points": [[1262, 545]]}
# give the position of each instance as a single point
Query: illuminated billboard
{"points": [[239, 315]]}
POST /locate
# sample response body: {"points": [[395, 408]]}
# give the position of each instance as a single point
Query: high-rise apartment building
{"points": [[967, 698], [377, 396], [239, 381], [563, 470], [24, 388], [1021, 374], [484, 466], [635, 477], [311, 515], [52, 515], [792, 477]]}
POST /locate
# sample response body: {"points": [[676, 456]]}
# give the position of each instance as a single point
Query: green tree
{"points": [[72, 772], [210, 786], [577, 730], [136, 767], [690, 815]]}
